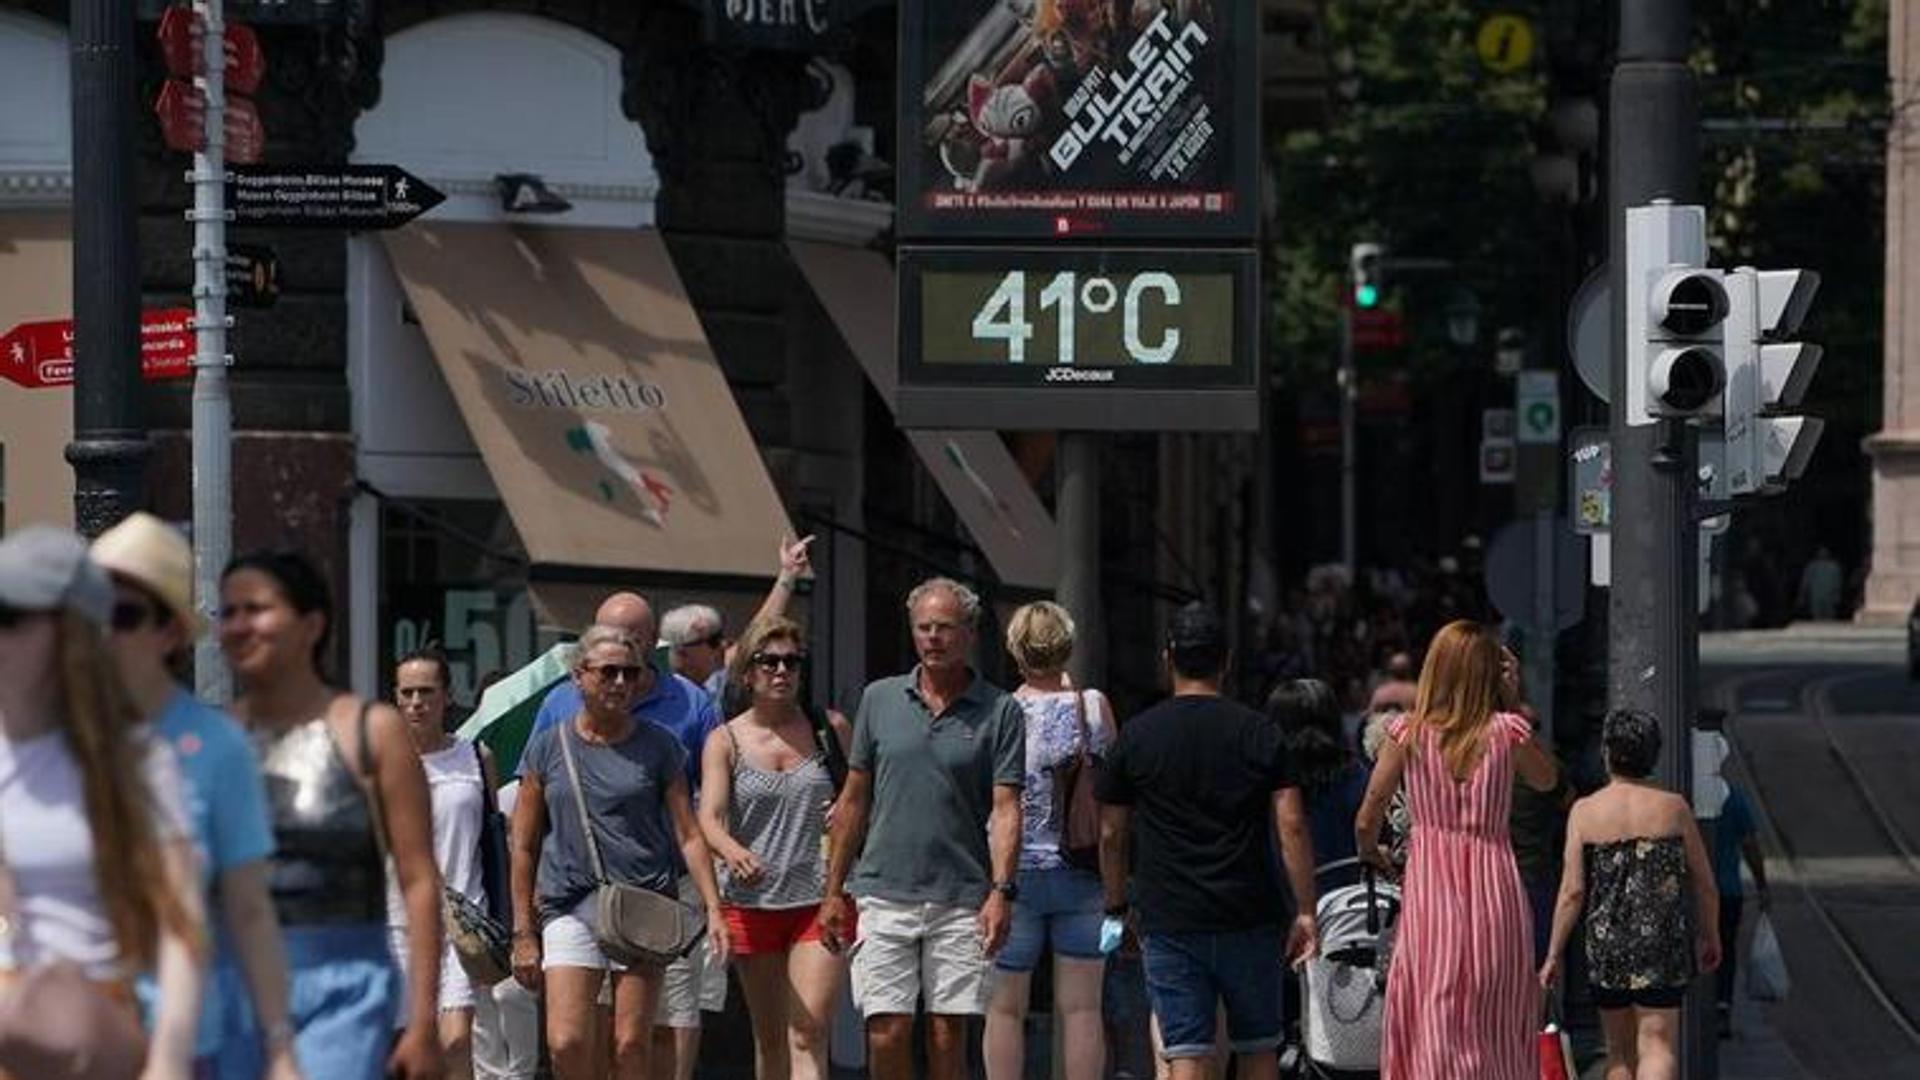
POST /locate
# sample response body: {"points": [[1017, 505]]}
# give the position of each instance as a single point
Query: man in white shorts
{"points": [[931, 809]]}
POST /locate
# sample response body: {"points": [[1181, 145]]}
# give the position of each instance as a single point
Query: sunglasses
{"points": [[129, 616], [779, 661], [616, 672]]}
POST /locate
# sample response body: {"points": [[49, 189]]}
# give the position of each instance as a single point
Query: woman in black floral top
{"points": [[1635, 859]]}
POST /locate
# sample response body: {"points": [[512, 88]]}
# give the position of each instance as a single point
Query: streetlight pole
{"points": [[1653, 648], [109, 449], [1349, 391], [212, 405]]}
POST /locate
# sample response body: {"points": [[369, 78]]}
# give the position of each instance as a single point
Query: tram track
{"points": [[1864, 805]]}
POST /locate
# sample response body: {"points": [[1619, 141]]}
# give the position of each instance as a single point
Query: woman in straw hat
{"points": [[94, 842], [153, 625]]}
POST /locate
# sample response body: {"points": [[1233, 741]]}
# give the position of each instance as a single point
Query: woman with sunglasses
{"points": [[768, 779], [94, 841], [154, 625], [344, 790], [633, 781]]}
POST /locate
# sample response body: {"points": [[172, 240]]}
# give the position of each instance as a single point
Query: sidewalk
{"points": [[1756, 1051]]}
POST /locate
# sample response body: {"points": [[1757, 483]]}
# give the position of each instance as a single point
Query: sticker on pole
{"points": [[1537, 401], [40, 354]]}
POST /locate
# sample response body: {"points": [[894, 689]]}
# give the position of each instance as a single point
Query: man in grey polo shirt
{"points": [[931, 809]]}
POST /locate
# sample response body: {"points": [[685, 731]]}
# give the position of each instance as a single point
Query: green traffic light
{"points": [[1366, 295]]}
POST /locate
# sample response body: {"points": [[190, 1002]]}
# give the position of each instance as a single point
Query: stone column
{"points": [[1895, 579]]}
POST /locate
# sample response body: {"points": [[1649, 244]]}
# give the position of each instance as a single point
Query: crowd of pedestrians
{"points": [[321, 885]]}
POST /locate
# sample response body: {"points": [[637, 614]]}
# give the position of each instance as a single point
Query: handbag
{"points": [[55, 1022], [479, 937], [632, 925], [1767, 978], [1555, 1046], [1080, 835]]}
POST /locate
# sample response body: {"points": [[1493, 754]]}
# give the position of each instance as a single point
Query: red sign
{"points": [[39, 354], [1378, 328], [182, 109], [181, 35]]}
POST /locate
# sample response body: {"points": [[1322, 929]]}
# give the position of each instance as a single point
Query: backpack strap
{"points": [[828, 743]]}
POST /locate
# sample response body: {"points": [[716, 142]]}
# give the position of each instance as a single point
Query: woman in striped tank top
{"points": [[769, 777], [1462, 1003]]}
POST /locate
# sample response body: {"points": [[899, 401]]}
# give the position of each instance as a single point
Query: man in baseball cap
{"points": [[154, 623]]}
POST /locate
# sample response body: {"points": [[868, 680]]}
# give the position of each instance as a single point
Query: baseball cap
{"points": [[43, 568]]}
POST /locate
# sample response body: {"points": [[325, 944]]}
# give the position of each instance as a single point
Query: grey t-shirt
{"points": [[933, 781], [626, 788]]}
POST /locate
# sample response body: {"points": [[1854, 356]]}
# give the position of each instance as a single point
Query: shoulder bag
{"points": [[1080, 833], [57, 1022], [632, 925], [478, 935], [828, 744]]}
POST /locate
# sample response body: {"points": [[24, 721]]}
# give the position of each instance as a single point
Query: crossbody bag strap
{"points": [[12, 927], [375, 804], [1086, 729], [580, 802]]}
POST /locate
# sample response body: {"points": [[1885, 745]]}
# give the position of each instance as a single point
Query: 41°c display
{"points": [[1061, 323]]}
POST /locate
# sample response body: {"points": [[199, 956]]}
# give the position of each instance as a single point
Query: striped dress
{"points": [[1462, 999]]}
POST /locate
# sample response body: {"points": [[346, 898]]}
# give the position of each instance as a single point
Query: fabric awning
{"points": [[36, 284], [973, 468], [581, 369]]}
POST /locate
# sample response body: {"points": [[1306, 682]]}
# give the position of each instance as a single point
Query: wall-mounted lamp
{"points": [[525, 193]]}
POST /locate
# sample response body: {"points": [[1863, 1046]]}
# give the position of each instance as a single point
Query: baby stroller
{"points": [[1344, 987]]}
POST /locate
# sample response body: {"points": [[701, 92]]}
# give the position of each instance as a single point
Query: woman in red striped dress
{"points": [[1462, 1003]]}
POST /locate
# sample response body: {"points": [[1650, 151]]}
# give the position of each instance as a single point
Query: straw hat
{"points": [[156, 556]]}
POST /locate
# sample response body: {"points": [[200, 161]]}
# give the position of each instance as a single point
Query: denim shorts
{"points": [[1060, 906], [1190, 974], [343, 996]]}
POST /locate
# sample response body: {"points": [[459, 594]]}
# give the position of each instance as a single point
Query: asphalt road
{"points": [[1827, 735]]}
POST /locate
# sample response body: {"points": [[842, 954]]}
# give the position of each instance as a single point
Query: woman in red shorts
{"points": [[769, 778]]}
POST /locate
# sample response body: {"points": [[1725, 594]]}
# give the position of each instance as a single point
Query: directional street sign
{"points": [[40, 354], [328, 196], [1537, 400], [253, 276]]}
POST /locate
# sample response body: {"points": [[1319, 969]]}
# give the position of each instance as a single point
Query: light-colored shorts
{"points": [[456, 989], [908, 951], [689, 986], [694, 984]]}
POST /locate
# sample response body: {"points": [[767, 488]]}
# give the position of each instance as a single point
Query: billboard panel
{"points": [[1124, 119]]}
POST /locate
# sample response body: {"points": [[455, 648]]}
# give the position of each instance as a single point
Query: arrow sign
{"points": [[180, 35], [328, 196], [182, 110], [40, 354]]}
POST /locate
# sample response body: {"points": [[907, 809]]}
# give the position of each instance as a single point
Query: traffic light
{"points": [[1676, 316], [1768, 375], [1365, 263]]}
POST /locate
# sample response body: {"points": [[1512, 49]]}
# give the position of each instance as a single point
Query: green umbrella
{"points": [[504, 719]]}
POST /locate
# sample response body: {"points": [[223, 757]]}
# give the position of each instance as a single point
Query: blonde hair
{"points": [[760, 633], [100, 717], [1040, 637], [601, 634], [1459, 693]]}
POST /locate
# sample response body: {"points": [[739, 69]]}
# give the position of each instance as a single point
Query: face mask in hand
{"points": [[1111, 931]]}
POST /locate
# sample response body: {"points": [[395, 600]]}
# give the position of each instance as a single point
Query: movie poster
{"points": [[1079, 118]]}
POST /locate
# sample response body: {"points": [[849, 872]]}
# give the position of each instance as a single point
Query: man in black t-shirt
{"points": [[1201, 784]]}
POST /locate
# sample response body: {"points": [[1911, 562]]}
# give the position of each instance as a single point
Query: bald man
{"points": [[694, 984]]}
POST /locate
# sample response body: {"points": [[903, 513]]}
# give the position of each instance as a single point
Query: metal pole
{"points": [[109, 448], [1349, 510], [212, 408], [1079, 592], [1653, 650]]}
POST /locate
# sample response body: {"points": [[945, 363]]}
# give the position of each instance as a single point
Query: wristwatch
{"points": [[1007, 889]]}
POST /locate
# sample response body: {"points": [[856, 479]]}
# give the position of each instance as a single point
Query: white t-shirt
{"points": [[48, 846]]}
